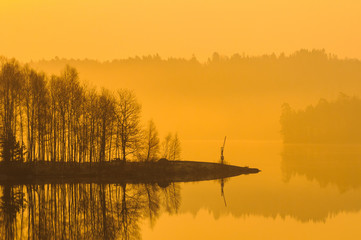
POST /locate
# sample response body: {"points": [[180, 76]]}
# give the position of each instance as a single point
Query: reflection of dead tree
{"points": [[222, 192], [222, 182]]}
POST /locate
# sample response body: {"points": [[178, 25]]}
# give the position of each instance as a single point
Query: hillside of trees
{"points": [[327, 122], [60, 118], [238, 96]]}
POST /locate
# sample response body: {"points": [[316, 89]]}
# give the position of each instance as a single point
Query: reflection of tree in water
{"points": [[152, 200], [171, 198], [339, 165], [11, 202], [82, 211]]}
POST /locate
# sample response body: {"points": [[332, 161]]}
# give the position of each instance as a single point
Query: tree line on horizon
{"points": [[303, 70], [59, 118], [335, 121], [220, 89]]}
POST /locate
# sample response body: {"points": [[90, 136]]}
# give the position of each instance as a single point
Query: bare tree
{"points": [[60, 98], [151, 142], [128, 118], [166, 146], [92, 119], [63, 120], [11, 82], [106, 117], [175, 148]]}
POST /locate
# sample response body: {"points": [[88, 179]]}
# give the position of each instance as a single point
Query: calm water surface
{"points": [[303, 192]]}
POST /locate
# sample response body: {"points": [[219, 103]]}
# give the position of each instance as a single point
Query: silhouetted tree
{"points": [[171, 147], [60, 119], [151, 142], [334, 121], [128, 118], [106, 117], [11, 82], [166, 146], [175, 148]]}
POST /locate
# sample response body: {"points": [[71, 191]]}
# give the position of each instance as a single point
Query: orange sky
{"points": [[107, 29]]}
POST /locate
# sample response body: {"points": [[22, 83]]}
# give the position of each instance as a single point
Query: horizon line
{"points": [[328, 54]]}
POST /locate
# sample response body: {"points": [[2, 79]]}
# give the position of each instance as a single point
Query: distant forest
{"points": [[237, 95], [60, 118], [327, 122], [300, 71]]}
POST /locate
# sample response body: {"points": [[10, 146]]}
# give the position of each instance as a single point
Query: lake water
{"points": [[302, 192]]}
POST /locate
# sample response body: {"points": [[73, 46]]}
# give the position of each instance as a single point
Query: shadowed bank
{"points": [[84, 200], [162, 172]]}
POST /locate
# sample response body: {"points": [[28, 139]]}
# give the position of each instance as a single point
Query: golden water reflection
{"points": [[82, 211], [328, 164], [303, 192], [304, 185]]}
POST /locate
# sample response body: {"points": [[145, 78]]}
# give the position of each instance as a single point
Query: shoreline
{"points": [[161, 172]]}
